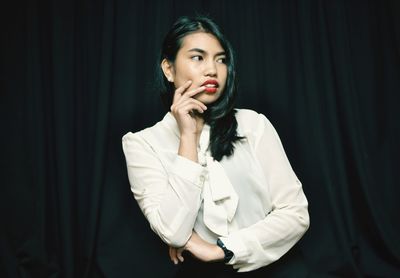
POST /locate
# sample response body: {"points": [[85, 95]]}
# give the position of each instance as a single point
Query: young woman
{"points": [[212, 180]]}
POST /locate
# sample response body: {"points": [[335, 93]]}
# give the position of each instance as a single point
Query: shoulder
{"points": [[137, 135], [142, 135], [246, 114], [251, 121], [134, 140], [151, 136], [254, 126]]}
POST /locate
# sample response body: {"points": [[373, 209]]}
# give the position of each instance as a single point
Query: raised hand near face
{"points": [[184, 108]]}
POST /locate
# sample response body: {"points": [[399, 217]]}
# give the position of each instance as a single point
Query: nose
{"points": [[211, 69]]}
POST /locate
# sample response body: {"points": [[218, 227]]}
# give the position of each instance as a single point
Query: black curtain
{"points": [[77, 75]]}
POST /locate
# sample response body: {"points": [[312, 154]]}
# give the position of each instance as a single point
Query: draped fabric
{"points": [[77, 75]]}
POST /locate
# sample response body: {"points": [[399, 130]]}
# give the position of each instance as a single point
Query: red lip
{"points": [[211, 81]]}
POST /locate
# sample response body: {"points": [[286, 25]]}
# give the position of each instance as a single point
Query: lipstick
{"points": [[211, 86]]}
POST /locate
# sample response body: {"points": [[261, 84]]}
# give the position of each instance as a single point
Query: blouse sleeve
{"points": [[267, 240], [169, 198]]}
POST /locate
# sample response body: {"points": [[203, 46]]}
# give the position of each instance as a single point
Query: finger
{"points": [[189, 95], [190, 101], [179, 254], [178, 92], [187, 108], [195, 91], [173, 255], [183, 103], [170, 253], [183, 88]]}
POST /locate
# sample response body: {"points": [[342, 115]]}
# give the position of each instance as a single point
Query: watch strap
{"points": [[228, 253]]}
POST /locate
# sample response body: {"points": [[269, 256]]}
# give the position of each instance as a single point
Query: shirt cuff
{"points": [[234, 243], [189, 170]]}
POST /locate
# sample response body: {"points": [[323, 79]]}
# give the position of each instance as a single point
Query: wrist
{"points": [[189, 137], [188, 246], [228, 254], [188, 147], [219, 253]]}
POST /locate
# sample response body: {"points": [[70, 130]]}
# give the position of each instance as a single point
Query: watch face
{"points": [[228, 255]]}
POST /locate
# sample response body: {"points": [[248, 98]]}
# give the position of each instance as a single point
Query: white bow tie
{"points": [[220, 199]]}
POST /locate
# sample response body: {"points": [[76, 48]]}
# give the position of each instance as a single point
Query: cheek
{"points": [[184, 75], [224, 77], [223, 72], [185, 71]]}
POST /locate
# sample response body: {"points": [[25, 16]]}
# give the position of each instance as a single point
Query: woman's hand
{"points": [[175, 254], [184, 105], [199, 248]]}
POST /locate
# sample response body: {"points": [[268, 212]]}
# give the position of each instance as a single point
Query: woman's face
{"points": [[201, 58]]}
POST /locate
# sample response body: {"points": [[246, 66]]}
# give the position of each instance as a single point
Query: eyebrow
{"points": [[204, 52]]}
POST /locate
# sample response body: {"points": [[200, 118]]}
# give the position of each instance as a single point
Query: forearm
{"points": [[174, 221], [201, 249], [267, 240], [188, 147], [173, 210], [169, 195]]}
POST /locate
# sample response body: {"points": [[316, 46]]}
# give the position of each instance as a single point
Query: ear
{"points": [[168, 70]]}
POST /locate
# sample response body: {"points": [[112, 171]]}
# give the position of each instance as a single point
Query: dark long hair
{"points": [[220, 115]]}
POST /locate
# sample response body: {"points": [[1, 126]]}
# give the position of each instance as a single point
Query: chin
{"points": [[208, 98]]}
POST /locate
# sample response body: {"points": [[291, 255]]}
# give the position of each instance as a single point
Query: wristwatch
{"points": [[228, 253]]}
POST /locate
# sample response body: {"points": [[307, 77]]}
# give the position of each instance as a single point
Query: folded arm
{"points": [[168, 197], [267, 240]]}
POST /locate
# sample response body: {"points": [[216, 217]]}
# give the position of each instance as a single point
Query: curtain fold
{"points": [[80, 74]]}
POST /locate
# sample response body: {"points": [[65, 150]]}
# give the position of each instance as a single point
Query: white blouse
{"points": [[251, 200]]}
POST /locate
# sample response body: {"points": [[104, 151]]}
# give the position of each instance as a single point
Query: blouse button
{"points": [[202, 178]]}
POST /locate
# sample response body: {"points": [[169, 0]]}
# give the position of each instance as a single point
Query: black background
{"points": [[77, 75]]}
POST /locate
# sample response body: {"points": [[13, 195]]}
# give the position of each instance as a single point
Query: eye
{"points": [[222, 60], [196, 58]]}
